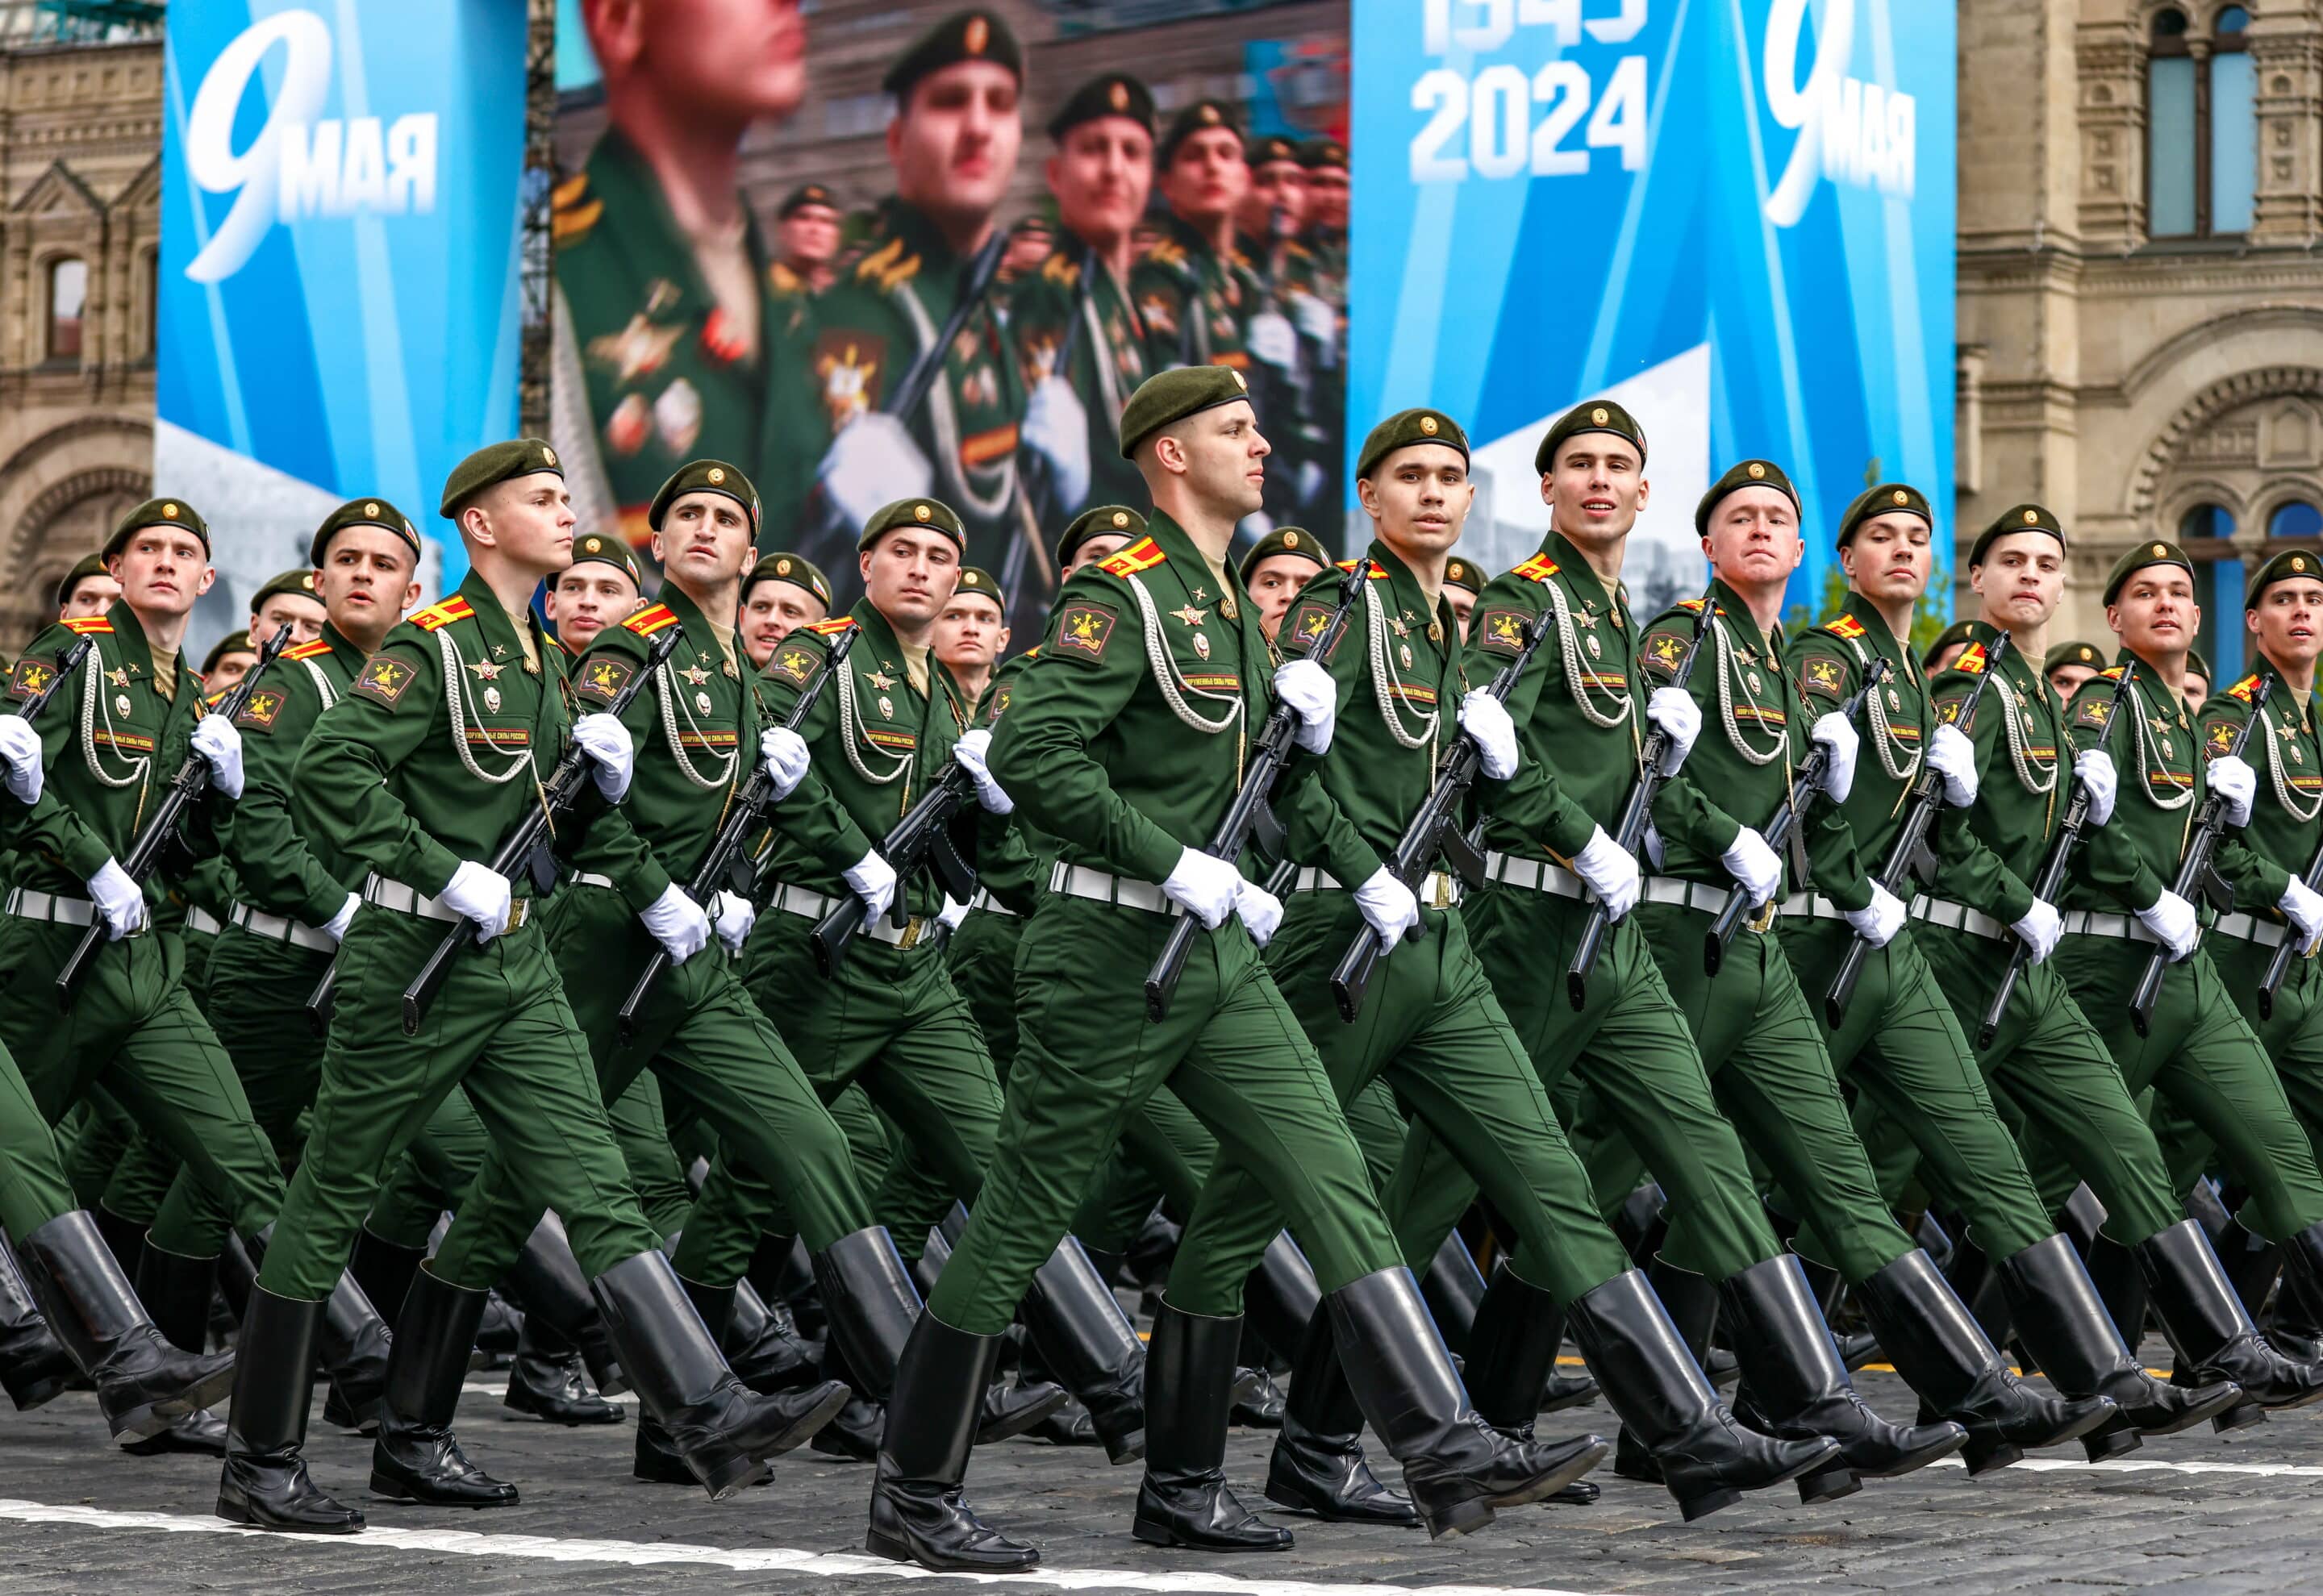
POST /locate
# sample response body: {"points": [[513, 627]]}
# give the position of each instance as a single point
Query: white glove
{"points": [[1753, 864], [2171, 919], [335, 927], [2093, 768], [1271, 338], [1877, 921], [2303, 906], [118, 899], [1389, 905], [1205, 886], [2039, 929], [872, 462], [1673, 709], [974, 752], [733, 916], [1307, 688], [2237, 783], [481, 894], [1314, 318], [218, 743], [677, 922], [1057, 427], [952, 913], [20, 745], [613, 756], [1834, 733], [1486, 718], [1953, 758], [783, 753], [1259, 910], [1609, 871], [873, 879]]}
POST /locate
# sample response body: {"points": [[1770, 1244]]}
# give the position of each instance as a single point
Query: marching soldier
{"points": [[1193, 287], [807, 236], [1461, 583], [435, 751], [601, 587], [782, 593], [2195, 687], [1326, 238], [1128, 758], [2069, 664], [288, 600], [1276, 569], [971, 635]]}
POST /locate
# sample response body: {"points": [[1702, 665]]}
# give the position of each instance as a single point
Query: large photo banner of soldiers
{"points": [[869, 253]]}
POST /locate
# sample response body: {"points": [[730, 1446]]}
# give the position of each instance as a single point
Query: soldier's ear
{"points": [[616, 30]]}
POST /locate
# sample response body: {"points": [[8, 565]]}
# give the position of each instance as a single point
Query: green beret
{"points": [[300, 581], [1461, 575], [976, 579], [2018, 518], [804, 196], [494, 463], [1884, 500], [1199, 117], [973, 35], [795, 569], [1173, 396], [1318, 153], [86, 567], [1747, 474], [1116, 93], [706, 476], [2289, 564], [1596, 415], [917, 513], [2196, 665], [1268, 149], [1100, 520], [607, 548], [157, 512], [362, 512], [2073, 654], [232, 643], [1405, 428], [2141, 555], [1284, 540], [1958, 632]]}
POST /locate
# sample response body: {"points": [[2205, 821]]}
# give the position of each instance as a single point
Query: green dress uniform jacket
{"points": [[1193, 299], [1110, 357]]}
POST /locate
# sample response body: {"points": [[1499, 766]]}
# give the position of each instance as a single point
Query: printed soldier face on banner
{"points": [[1205, 178], [909, 575], [301, 613], [1754, 537], [1276, 185], [2021, 580], [91, 595], [1889, 557], [1100, 177], [2288, 621], [704, 539], [954, 144], [810, 236], [586, 598], [162, 570], [772, 611], [725, 60], [1327, 198]]}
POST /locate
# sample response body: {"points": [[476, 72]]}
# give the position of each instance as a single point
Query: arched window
{"points": [[2201, 125], [2205, 520], [2296, 518], [67, 297]]}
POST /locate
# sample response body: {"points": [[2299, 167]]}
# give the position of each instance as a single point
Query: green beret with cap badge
{"points": [[1113, 94], [494, 464], [1100, 520], [1886, 500], [1405, 428], [1594, 416], [1268, 149], [157, 512], [706, 476], [1170, 397], [607, 548], [784, 566], [1747, 474], [2290, 566], [232, 643], [363, 512], [87, 566], [1318, 153], [2196, 665], [1958, 632], [1284, 540], [300, 583], [2073, 654], [919, 514], [1199, 117], [973, 35], [2156, 552], [804, 196], [1461, 575], [2016, 518]]}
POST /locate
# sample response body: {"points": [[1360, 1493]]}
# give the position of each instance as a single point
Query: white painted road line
{"points": [[749, 1559], [2132, 1465]]}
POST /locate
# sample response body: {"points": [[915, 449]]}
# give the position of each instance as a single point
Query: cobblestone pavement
{"points": [[2191, 1514]]}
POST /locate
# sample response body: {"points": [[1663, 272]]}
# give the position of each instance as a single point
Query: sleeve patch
{"points": [[2222, 737], [30, 677], [384, 678], [2093, 708], [264, 708], [1501, 631], [1308, 622], [1824, 676], [1084, 628], [795, 662], [603, 679], [1663, 652], [1947, 711]]}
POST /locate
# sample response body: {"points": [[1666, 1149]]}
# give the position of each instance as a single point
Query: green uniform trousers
{"points": [[1089, 1059], [32, 1186], [704, 1041], [734, 1203], [1431, 1027], [502, 1030], [2292, 1034], [1631, 1047], [2202, 1056]]}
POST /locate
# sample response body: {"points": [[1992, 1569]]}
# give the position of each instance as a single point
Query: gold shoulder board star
{"points": [[880, 681], [695, 676], [1188, 615]]}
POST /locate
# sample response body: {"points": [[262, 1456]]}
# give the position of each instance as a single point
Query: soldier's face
{"points": [[526, 521], [2195, 690], [733, 61], [1754, 537], [586, 598], [1222, 455], [1419, 497], [301, 615], [909, 574], [231, 668], [1464, 605], [2154, 614], [1889, 557], [704, 539], [810, 234], [1101, 176], [162, 570], [1096, 549], [772, 612], [1595, 487], [1206, 178], [954, 145], [2067, 679], [369, 578], [1326, 197], [1275, 583], [1277, 185], [91, 595], [2288, 621], [969, 634], [2021, 580]]}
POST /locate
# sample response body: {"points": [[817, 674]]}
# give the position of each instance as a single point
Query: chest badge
{"points": [[121, 703], [1201, 645], [492, 701], [695, 676], [1226, 606], [1596, 649], [484, 668], [1403, 653], [119, 678], [880, 681], [1188, 616], [1894, 701], [1752, 679], [1436, 631], [702, 704]]}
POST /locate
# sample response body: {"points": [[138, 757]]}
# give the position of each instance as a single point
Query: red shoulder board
{"points": [[1377, 572], [437, 615], [308, 650], [2245, 688], [1142, 556], [217, 698], [88, 625], [1695, 606], [1537, 568], [2112, 673], [831, 627], [651, 619], [1971, 660], [1843, 626]]}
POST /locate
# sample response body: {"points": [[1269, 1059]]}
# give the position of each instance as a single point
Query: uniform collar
{"points": [[130, 644], [1406, 591], [1739, 614], [899, 219], [1192, 239], [2150, 680], [499, 626], [1865, 613], [344, 652], [1574, 565], [622, 181]]}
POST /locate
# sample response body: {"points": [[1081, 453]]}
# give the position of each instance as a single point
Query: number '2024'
{"points": [[1495, 111]]}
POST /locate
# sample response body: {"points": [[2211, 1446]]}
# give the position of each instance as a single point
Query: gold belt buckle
{"points": [[1764, 920], [912, 928], [1439, 889], [519, 911]]}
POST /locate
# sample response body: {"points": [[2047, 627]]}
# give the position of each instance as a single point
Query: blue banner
{"points": [[339, 299], [1736, 219]]}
